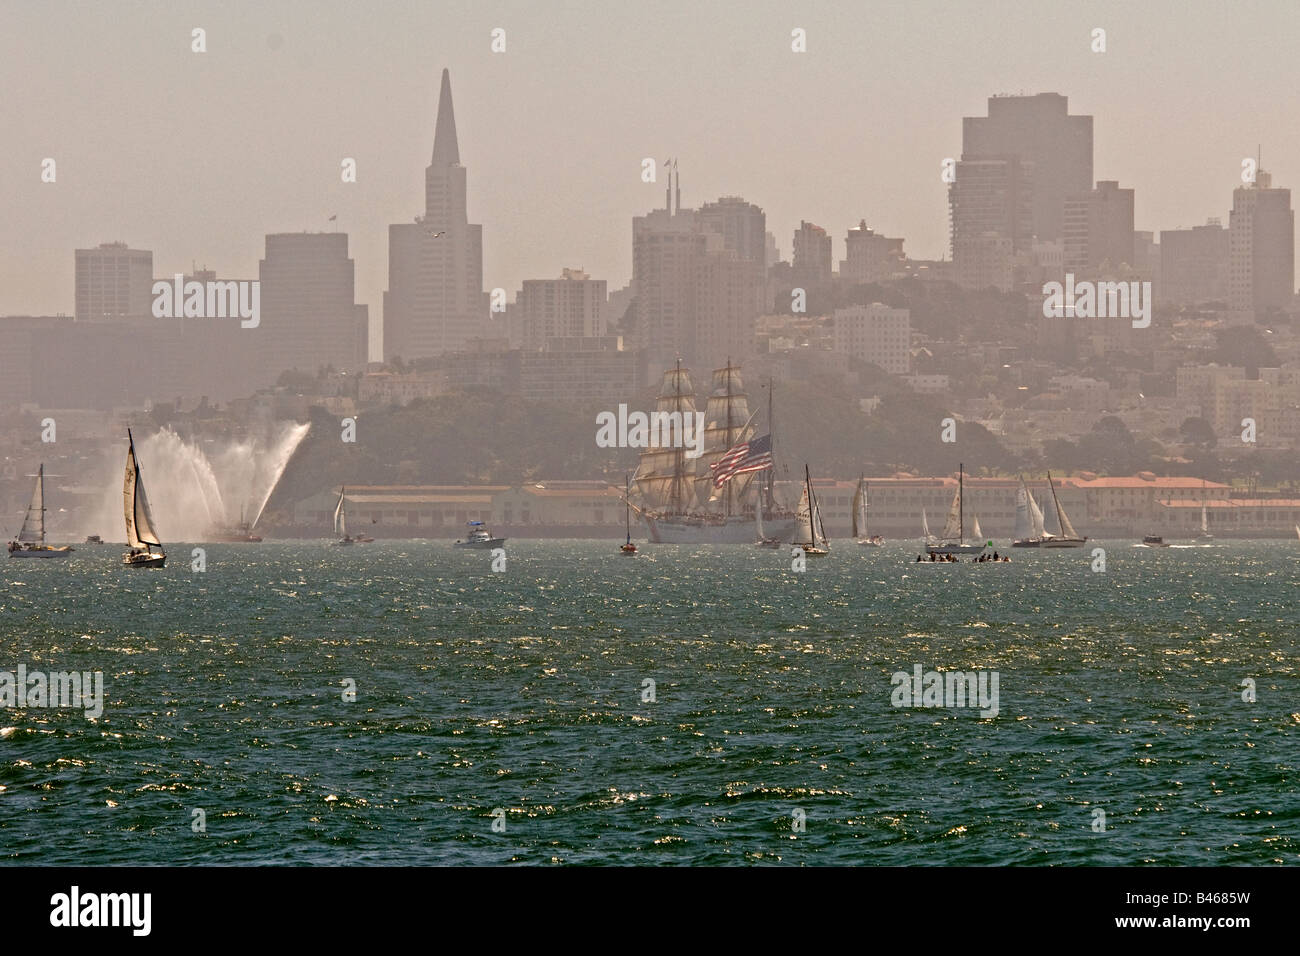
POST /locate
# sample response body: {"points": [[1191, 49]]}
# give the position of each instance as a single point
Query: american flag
{"points": [[753, 455]]}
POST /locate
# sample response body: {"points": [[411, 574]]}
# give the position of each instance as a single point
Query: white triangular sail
{"points": [[1024, 527], [979, 535], [860, 510], [33, 529], [1062, 519], [1036, 514], [952, 525], [925, 528], [340, 515], [1205, 520], [140, 531]]}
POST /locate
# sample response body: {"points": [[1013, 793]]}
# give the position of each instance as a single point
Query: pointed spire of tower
{"points": [[446, 151]]}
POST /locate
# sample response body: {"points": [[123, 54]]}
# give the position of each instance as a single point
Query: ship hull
{"points": [[734, 529], [40, 552], [1064, 542], [487, 545], [958, 549], [144, 560]]}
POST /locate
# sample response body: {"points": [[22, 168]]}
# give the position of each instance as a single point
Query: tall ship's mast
{"points": [[665, 476], [726, 421]]}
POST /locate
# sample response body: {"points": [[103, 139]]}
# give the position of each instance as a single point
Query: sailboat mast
{"points": [[807, 483], [771, 431], [40, 481], [961, 505], [627, 505]]}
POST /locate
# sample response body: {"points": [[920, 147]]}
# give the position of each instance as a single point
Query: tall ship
{"points": [[953, 539], [1068, 538], [712, 499], [141, 537], [30, 542]]}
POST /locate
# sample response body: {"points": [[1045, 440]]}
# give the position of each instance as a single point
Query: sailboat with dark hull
{"points": [[678, 497], [141, 537], [628, 549], [30, 542]]}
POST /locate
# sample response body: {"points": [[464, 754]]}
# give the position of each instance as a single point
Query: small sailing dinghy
{"points": [[30, 542], [141, 537], [811, 535], [860, 518], [628, 549]]}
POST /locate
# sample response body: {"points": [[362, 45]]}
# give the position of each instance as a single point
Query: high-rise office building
{"points": [[697, 295], [113, 282], [435, 300], [869, 256], [309, 315], [1097, 230], [875, 333], [1194, 264], [742, 226], [572, 306], [991, 216], [1038, 130], [1261, 249], [812, 254]]}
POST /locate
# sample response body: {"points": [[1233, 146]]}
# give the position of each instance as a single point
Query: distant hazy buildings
{"points": [[310, 317], [1097, 231], [1194, 264], [812, 256], [1040, 131], [699, 277], [113, 282], [435, 301], [875, 333], [742, 226], [572, 305], [991, 218], [1261, 249], [870, 257]]}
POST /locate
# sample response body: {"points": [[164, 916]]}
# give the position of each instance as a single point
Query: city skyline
{"points": [[1168, 195]]}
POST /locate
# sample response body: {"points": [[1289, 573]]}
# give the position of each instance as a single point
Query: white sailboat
{"points": [[1297, 531], [1024, 535], [141, 537], [926, 537], [341, 520], [953, 538], [860, 518], [979, 535], [1205, 525], [30, 542], [1040, 532], [810, 534], [1068, 538]]}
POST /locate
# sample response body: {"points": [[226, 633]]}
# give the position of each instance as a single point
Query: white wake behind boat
{"points": [[30, 542], [141, 537]]}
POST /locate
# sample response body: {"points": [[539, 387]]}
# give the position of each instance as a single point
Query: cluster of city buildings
{"points": [[709, 286]]}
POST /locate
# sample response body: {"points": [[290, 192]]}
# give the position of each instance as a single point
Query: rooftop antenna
{"points": [[679, 185]]}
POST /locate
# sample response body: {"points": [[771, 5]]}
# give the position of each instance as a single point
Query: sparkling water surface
{"points": [[522, 691]]}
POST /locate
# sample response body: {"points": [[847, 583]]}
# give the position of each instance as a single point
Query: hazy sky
{"points": [[198, 156]]}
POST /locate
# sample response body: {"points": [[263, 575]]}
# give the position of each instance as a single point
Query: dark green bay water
{"points": [[224, 692]]}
